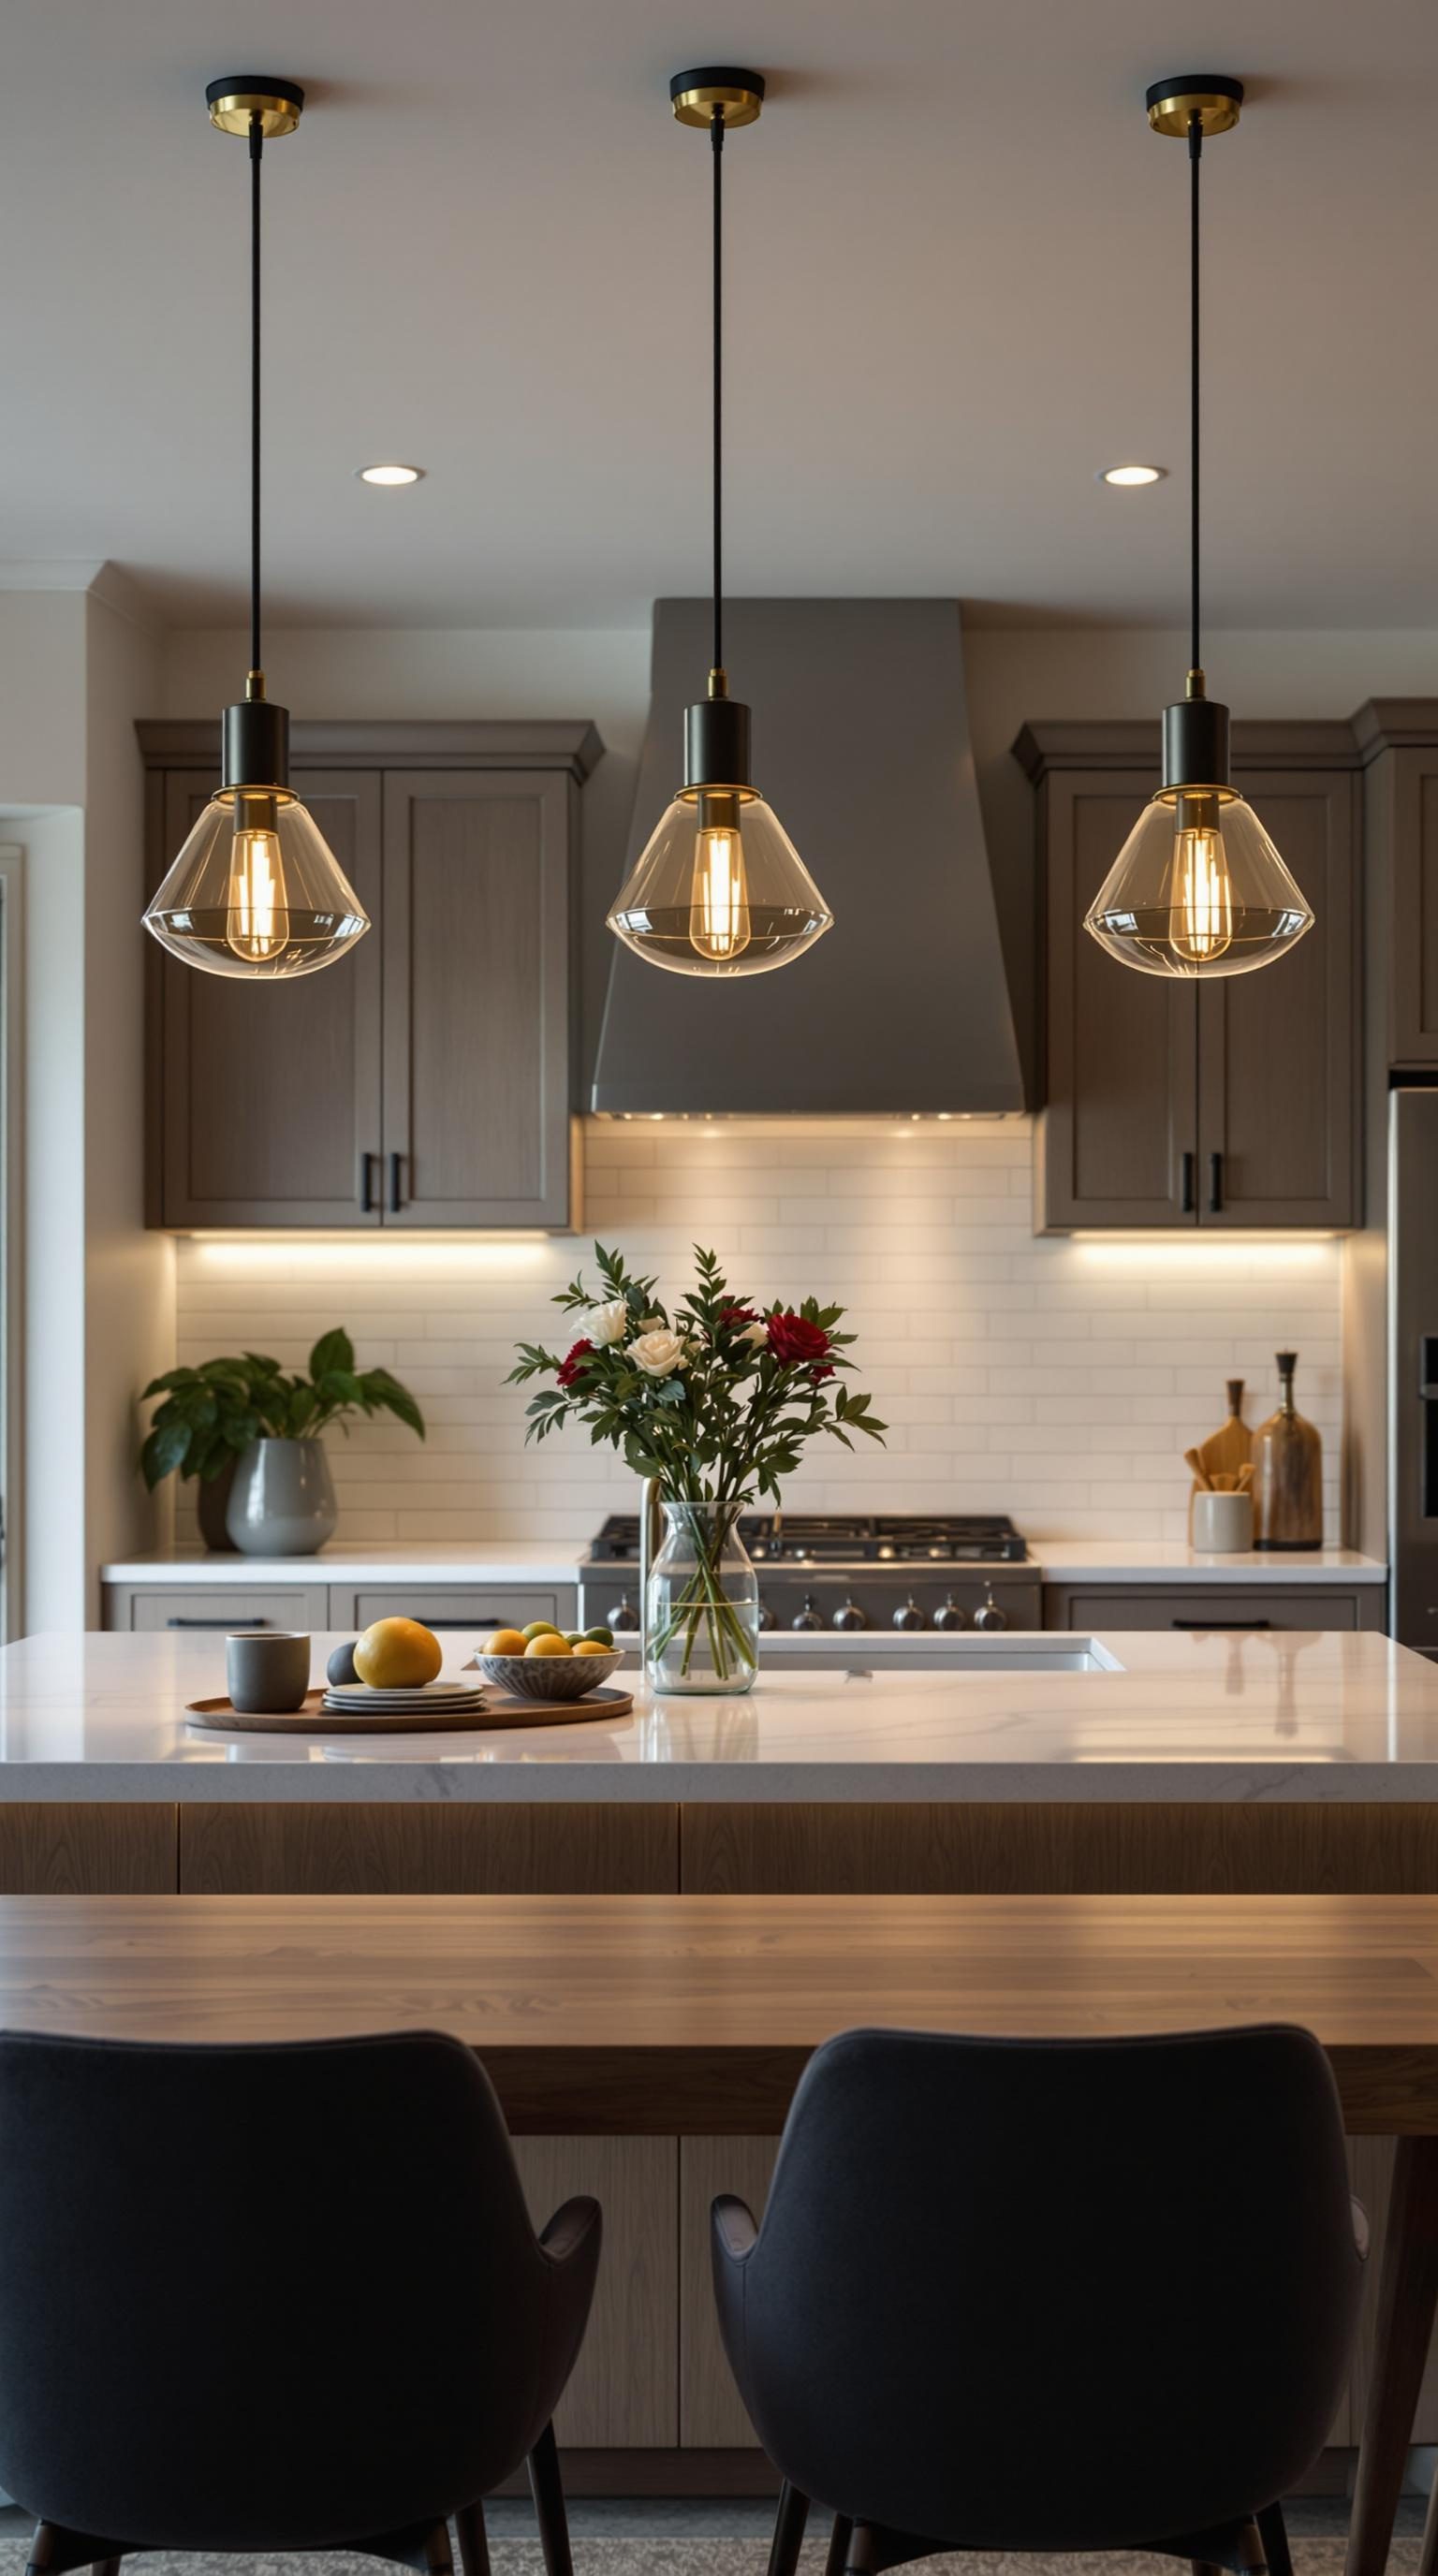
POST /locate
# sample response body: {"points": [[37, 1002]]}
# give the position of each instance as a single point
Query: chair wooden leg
{"points": [[546, 2485], [105, 2567], [839, 2539], [1251, 2554], [438, 2556], [473, 2541], [1407, 2302], [1273, 2532], [862, 2550], [789, 2523]]}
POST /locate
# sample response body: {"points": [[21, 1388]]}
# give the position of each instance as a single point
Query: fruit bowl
{"points": [[551, 1677]]}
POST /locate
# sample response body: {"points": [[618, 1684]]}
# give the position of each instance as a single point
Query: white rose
{"points": [[755, 1334], [658, 1352], [607, 1323]]}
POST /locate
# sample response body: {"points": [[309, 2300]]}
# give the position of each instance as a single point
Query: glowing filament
{"points": [[719, 897], [257, 921], [1203, 895]]}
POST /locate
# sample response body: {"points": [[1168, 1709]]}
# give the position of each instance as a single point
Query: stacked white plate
{"points": [[448, 1699]]}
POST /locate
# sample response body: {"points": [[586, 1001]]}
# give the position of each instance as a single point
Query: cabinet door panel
{"points": [[222, 1606], [1122, 1047], [477, 998], [509, 1605], [1411, 783], [1205, 1606], [1277, 1050], [271, 1091]]}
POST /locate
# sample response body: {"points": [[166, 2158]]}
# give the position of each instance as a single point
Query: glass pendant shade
{"points": [[719, 889], [256, 891], [1198, 889]]}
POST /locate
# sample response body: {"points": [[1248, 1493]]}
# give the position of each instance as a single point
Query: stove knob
{"points": [[766, 1615], [623, 1615], [808, 1616], [951, 1616], [849, 1615], [938, 1551], [991, 1616], [885, 1552], [911, 1616]]}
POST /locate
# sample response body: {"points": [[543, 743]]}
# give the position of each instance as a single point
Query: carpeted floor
{"points": [[717, 2555]]}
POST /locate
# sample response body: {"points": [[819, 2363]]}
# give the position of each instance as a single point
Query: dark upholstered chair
{"points": [[1047, 2295], [274, 2298]]}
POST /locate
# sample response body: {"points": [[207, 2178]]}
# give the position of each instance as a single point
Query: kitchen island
{"points": [[1106, 1763]]}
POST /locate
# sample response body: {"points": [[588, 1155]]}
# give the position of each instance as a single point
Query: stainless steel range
{"points": [[848, 1570]]}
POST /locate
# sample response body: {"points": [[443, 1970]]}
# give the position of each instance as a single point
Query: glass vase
{"points": [[701, 1625]]}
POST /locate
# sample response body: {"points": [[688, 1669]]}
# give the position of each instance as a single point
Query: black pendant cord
{"points": [[716, 137], [257, 137], [1195, 152]]}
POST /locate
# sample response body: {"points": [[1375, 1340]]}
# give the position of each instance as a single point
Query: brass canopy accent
{"points": [[278, 104], [695, 95], [1212, 97]]}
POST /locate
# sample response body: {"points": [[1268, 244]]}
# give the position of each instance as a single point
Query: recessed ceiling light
{"points": [[390, 473], [1126, 475]]}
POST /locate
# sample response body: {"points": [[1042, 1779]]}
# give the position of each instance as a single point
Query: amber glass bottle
{"points": [[1287, 1473]]}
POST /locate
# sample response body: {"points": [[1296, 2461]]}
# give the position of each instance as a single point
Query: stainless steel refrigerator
{"points": [[1413, 1366]]}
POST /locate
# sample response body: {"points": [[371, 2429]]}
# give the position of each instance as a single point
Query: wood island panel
{"points": [[623, 2393], [711, 2410], [961, 1848], [92, 1850], [305, 1849]]}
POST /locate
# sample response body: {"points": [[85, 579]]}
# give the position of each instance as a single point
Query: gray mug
{"points": [[268, 1671]]}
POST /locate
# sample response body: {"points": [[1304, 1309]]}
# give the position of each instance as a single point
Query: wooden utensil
{"points": [[1201, 1477]]}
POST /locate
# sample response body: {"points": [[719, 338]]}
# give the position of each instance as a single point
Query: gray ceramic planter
{"points": [[282, 1502]]}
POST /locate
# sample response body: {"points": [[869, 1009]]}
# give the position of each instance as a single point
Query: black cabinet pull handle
{"points": [[229, 1625], [1186, 1200], [365, 1192], [1215, 1183], [395, 1200], [1220, 1623]]}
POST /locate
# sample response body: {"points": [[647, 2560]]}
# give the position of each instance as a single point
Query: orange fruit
{"points": [[548, 1645], [397, 1654], [592, 1646], [505, 1641]]}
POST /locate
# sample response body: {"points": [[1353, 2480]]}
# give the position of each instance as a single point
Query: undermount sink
{"points": [[878, 1650]]}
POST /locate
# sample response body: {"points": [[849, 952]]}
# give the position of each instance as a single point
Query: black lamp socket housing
{"points": [[255, 744], [716, 744], [1195, 743]]}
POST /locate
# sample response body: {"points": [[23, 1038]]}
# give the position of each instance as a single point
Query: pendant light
{"points": [[256, 890], [719, 888], [1198, 888]]}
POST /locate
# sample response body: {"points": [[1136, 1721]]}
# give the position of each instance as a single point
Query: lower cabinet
{"points": [[711, 2412], [1208, 1605], [226, 1605]]}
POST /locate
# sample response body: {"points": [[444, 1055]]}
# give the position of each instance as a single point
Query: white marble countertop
{"points": [[1291, 1715], [1078, 1560]]}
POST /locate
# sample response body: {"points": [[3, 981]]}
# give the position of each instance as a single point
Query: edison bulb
{"points": [[720, 926], [257, 920], [1203, 888]]}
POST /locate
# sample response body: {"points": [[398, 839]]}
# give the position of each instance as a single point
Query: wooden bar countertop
{"points": [[696, 2014]]}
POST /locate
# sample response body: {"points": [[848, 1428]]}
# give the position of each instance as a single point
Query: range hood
{"points": [[861, 745]]}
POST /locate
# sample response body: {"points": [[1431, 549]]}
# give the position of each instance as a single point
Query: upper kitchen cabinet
{"points": [[1229, 1103], [427, 1079], [1398, 738]]}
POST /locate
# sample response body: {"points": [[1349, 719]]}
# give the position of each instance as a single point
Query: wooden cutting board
{"points": [[500, 1708], [1225, 1451]]}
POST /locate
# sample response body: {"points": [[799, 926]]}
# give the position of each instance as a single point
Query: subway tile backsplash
{"points": [[1053, 1379]]}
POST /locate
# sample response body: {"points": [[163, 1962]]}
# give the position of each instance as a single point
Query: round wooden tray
{"points": [[500, 1709]]}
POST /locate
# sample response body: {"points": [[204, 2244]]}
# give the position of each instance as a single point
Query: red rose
{"points": [[794, 1341], [574, 1363], [732, 1318], [818, 1375]]}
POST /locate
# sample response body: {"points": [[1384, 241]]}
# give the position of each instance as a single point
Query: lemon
{"points": [[592, 1646], [549, 1642], [505, 1641], [397, 1654], [539, 1628]]}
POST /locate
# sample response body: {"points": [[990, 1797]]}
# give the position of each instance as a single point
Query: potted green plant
{"points": [[246, 1424]]}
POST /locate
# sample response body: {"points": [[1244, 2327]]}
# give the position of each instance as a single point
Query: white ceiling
{"points": [[958, 266]]}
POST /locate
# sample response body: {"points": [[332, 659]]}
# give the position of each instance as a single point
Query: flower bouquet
{"points": [[714, 1402]]}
